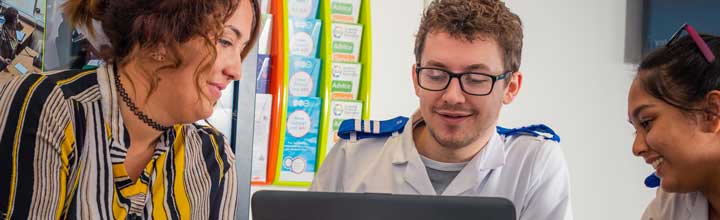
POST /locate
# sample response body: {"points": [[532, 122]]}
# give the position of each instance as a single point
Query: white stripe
{"points": [[353, 136], [366, 126], [376, 129], [357, 125]]}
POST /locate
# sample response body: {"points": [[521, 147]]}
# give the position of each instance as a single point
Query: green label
{"points": [[341, 8], [341, 86], [342, 47], [336, 124]]}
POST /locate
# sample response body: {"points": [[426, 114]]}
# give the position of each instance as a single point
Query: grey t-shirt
{"points": [[441, 174]]}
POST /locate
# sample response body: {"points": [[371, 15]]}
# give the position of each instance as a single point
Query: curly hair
{"points": [[133, 26], [470, 20]]}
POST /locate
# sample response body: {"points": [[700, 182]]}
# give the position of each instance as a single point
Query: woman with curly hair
{"points": [[119, 142]]}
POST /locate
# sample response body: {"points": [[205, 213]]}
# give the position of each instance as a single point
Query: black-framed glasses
{"points": [[701, 44], [477, 84]]}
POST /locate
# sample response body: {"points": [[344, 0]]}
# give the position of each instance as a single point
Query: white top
{"points": [[529, 171], [677, 206]]}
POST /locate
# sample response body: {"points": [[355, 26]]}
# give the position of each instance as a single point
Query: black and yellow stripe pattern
{"points": [[62, 148]]}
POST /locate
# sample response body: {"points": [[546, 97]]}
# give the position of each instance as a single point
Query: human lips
{"points": [[216, 88], [656, 162], [453, 116]]}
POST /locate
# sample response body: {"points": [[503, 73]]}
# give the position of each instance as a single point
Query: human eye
{"points": [[435, 75], [646, 124], [225, 42], [476, 79]]}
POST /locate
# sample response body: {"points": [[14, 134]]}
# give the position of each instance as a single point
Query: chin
{"points": [[453, 139], [672, 185], [201, 113], [206, 112]]}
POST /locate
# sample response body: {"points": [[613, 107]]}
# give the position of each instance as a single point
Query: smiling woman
{"points": [[116, 142], [674, 105]]}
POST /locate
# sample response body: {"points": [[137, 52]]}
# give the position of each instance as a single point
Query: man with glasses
{"points": [[468, 58]]}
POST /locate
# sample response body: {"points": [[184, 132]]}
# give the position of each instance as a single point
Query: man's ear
{"points": [[513, 88], [711, 118], [415, 80]]}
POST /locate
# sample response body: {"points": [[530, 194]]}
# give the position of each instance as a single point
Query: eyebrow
{"points": [[637, 111], [234, 30], [477, 66]]}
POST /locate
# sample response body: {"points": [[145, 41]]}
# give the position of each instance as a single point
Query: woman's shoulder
{"points": [[69, 82], [206, 136], [37, 89], [669, 205], [74, 82]]}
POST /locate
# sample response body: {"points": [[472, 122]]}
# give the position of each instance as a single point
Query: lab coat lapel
{"points": [[698, 209], [408, 159], [476, 172]]}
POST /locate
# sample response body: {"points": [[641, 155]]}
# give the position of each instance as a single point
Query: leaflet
{"points": [[341, 110], [261, 137], [346, 40], [304, 36], [345, 81], [298, 158], [346, 11], [302, 8], [304, 76]]}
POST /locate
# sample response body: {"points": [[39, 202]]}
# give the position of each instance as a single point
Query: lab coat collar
{"points": [[407, 156], [698, 208], [407, 142], [490, 157]]}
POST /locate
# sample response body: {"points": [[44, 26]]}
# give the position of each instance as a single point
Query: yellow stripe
{"points": [[119, 170], [108, 131], [67, 145], [181, 199], [134, 189], [137, 187], [65, 149], [75, 77], [149, 168], [16, 145], [75, 186], [158, 190], [119, 212], [217, 157]]}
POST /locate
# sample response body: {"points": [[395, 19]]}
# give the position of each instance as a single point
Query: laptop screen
{"points": [[286, 205]]}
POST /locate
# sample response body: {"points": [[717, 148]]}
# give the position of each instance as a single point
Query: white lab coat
{"points": [[677, 206], [529, 171]]}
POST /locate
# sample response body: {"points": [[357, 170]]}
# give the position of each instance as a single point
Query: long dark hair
{"points": [[11, 19], [679, 74]]}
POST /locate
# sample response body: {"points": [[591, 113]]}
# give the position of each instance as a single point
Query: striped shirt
{"points": [[62, 148]]}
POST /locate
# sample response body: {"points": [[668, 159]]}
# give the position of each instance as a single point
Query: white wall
{"points": [[394, 23], [576, 81]]}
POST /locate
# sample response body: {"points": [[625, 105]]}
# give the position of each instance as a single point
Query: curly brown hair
{"points": [[470, 20], [133, 26]]}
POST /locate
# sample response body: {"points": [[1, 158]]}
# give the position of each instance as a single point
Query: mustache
{"points": [[453, 108]]}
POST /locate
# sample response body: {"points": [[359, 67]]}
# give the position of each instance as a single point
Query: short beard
{"points": [[454, 144]]}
